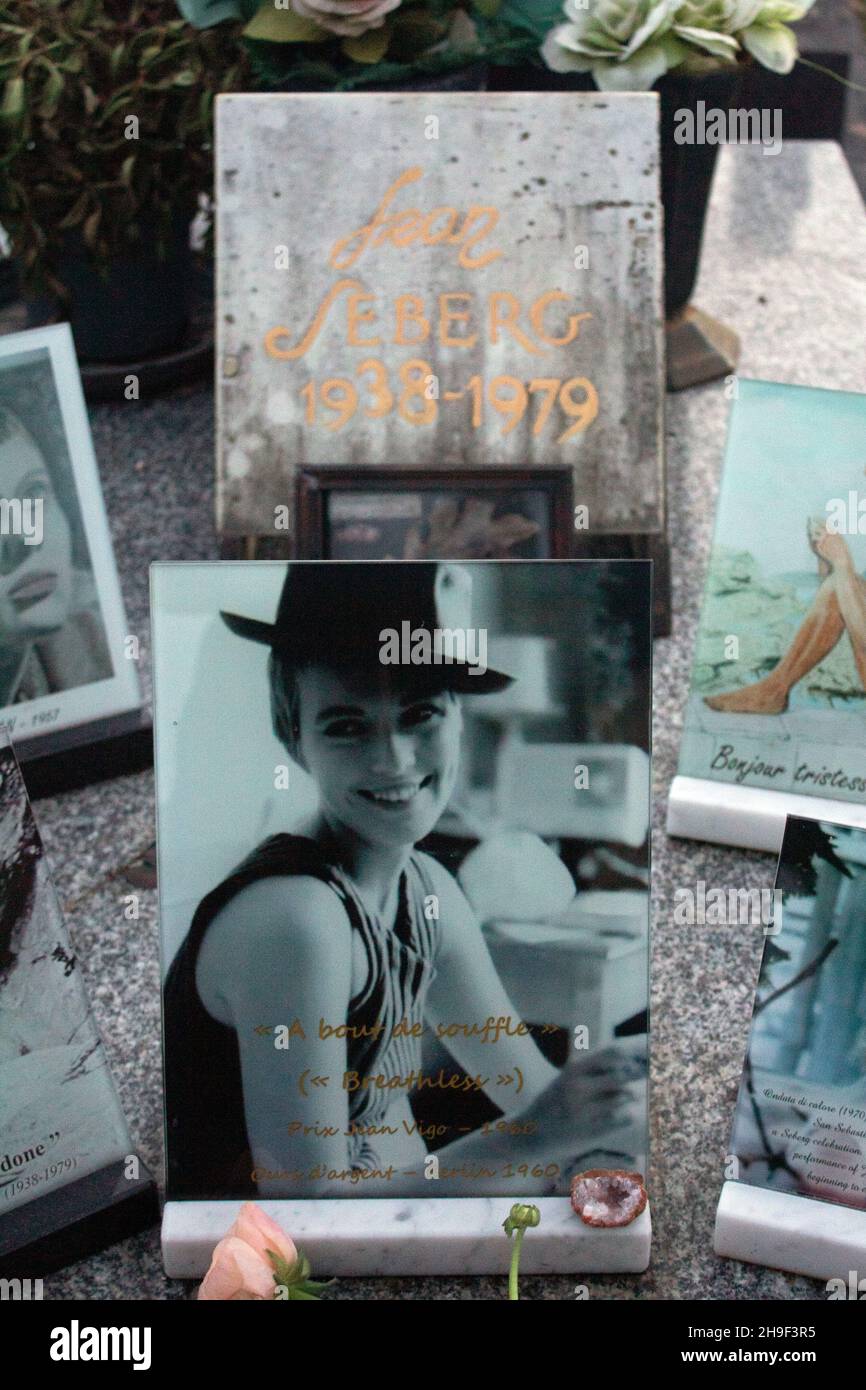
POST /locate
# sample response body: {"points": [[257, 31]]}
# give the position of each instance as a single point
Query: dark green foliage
{"points": [[72, 74], [511, 34]]}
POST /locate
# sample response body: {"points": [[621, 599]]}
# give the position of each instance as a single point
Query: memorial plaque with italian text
{"points": [[800, 1122]]}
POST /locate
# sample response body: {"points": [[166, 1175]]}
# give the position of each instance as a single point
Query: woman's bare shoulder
{"points": [[453, 900], [460, 945], [282, 914]]}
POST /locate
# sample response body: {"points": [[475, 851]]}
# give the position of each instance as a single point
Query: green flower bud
{"points": [[522, 1217]]}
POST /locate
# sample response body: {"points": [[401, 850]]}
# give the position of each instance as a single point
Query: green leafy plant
{"points": [[105, 126], [310, 44]]}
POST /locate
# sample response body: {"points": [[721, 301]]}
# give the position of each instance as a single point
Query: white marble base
{"points": [[447, 1235], [747, 817], [784, 1231]]}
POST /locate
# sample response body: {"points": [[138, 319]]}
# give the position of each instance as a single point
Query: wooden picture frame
{"points": [[465, 539]]}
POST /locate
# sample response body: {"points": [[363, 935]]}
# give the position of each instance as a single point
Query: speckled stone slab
{"points": [[770, 221]]}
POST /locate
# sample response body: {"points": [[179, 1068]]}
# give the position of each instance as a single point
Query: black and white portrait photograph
{"points": [[403, 848], [62, 661]]}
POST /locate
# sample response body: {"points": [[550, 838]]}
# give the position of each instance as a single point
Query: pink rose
{"points": [[348, 17], [240, 1268]]}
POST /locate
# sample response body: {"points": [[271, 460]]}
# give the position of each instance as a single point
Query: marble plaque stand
{"points": [[747, 817], [422, 1235], [821, 1239]]}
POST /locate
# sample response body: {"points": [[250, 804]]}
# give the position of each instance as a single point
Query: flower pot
{"points": [[686, 178], [8, 280], [134, 308]]}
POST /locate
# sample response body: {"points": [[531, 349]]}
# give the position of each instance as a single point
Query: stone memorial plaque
{"points": [[776, 719], [439, 281], [386, 985], [69, 1179], [797, 1161]]}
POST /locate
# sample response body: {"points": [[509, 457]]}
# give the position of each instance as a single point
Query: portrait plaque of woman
{"points": [[62, 627], [378, 974]]}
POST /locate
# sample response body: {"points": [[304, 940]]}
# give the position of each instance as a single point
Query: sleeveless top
{"points": [[208, 1150]]}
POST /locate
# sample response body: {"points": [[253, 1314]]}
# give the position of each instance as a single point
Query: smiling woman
{"points": [[336, 1016], [310, 1006]]}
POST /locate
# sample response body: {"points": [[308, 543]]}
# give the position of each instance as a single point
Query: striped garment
{"points": [[208, 1151], [399, 971]]}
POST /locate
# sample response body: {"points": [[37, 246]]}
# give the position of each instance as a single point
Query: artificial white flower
{"points": [[347, 17], [628, 44]]}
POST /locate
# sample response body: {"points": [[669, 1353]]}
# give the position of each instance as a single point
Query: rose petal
{"points": [[659, 18], [348, 18], [637, 74], [719, 45], [560, 59], [745, 12], [261, 1233], [237, 1272]]}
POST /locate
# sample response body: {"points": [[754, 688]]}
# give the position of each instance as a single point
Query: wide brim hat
{"points": [[337, 613]]}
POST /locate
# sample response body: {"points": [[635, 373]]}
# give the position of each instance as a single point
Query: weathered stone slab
{"points": [[414, 279]]}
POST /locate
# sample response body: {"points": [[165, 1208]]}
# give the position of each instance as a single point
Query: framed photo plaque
{"points": [[390, 513], [797, 1196], [776, 718], [383, 988], [70, 1182], [65, 673]]}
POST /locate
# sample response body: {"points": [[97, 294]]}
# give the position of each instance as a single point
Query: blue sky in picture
{"points": [[790, 450]]}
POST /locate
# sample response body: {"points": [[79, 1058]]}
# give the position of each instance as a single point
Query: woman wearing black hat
{"points": [[347, 929]]}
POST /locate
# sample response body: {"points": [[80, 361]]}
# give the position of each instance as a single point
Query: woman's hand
{"points": [[590, 1095]]}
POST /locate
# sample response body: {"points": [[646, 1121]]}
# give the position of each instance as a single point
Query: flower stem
{"points": [[515, 1263], [828, 72]]}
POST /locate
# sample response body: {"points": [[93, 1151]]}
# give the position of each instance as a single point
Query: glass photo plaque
{"points": [[796, 1198], [776, 719], [69, 1179], [385, 975]]}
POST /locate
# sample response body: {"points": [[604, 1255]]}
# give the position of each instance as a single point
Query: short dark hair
{"points": [[285, 714], [285, 696]]}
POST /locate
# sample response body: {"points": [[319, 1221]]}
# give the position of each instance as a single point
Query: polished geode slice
{"points": [[608, 1196]]}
